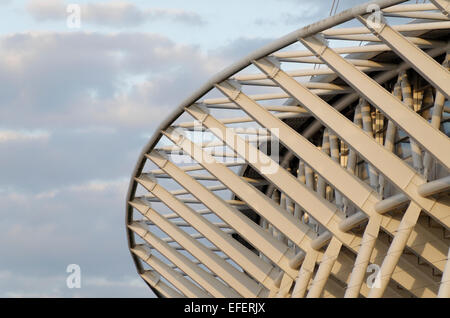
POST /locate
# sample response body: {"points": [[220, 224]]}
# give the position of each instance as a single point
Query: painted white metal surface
{"points": [[357, 204]]}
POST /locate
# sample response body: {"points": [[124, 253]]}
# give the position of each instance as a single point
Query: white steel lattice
{"points": [[282, 179]]}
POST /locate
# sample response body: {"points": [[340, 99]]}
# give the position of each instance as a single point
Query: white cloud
{"points": [[63, 199], [23, 135], [93, 186], [101, 185], [94, 130], [46, 10], [93, 79], [112, 13], [20, 285], [81, 224]]}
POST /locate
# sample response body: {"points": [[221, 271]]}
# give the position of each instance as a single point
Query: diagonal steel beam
{"points": [[325, 267], [206, 280], [396, 248], [236, 279], [305, 274], [267, 208], [275, 250], [443, 5], [250, 262], [418, 59], [355, 189], [184, 285], [413, 124], [403, 176], [154, 280], [369, 239], [324, 212]]}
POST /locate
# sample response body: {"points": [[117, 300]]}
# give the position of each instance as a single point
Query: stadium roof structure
{"points": [[317, 166]]}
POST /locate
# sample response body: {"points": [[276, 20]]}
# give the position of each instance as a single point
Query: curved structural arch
{"points": [[304, 167]]}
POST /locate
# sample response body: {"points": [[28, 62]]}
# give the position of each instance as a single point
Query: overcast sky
{"points": [[78, 104]]}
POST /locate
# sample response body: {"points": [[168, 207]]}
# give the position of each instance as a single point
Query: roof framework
{"points": [[304, 167]]}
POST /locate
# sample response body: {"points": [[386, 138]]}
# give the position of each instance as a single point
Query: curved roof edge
{"points": [[284, 41]]}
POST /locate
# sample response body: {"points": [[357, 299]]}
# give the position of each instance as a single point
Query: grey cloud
{"points": [[73, 79], [68, 158], [114, 13], [307, 12], [26, 285], [47, 10], [82, 224], [127, 14], [89, 98], [306, 16], [240, 47], [74, 108], [298, 19], [342, 4]]}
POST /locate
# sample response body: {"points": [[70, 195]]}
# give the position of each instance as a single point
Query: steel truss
{"points": [[359, 117]]}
